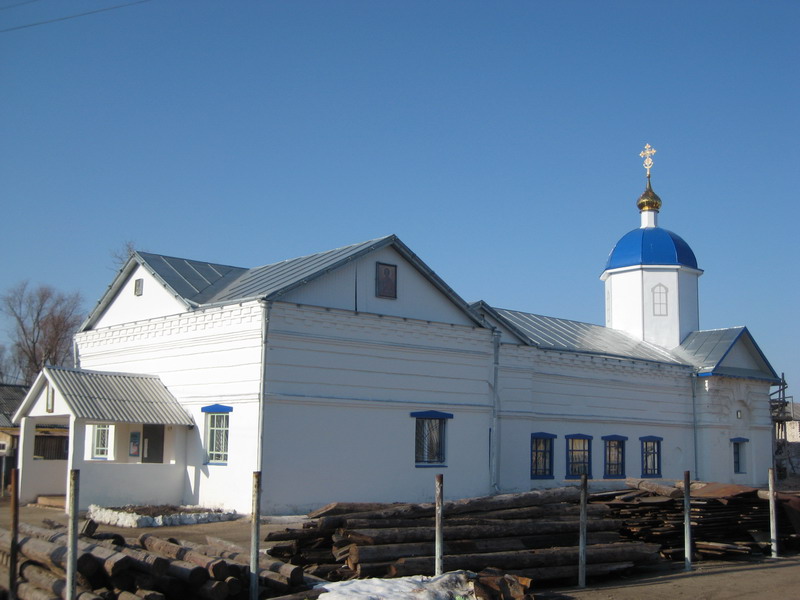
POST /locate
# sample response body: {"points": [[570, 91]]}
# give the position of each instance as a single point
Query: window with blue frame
{"points": [[651, 456], [217, 433], [739, 465], [429, 443], [542, 455], [614, 454], [579, 455]]}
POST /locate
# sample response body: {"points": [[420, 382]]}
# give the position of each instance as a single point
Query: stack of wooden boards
{"points": [[110, 567], [531, 534], [727, 520]]}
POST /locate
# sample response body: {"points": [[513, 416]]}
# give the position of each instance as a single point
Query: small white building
{"points": [[357, 373]]}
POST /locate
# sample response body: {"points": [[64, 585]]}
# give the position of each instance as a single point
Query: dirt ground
{"points": [[709, 580]]}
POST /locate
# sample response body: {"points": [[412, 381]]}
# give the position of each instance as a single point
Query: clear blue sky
{"points": [[499, 140]]}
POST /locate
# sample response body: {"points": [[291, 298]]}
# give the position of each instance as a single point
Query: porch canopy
{"points": [[101, 397], [84, 400]]}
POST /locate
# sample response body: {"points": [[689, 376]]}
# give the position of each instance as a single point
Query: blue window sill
{"points": [[614, 476], [216, 464], [543, 477], [430, 466], [588, 476], [654, 476]]}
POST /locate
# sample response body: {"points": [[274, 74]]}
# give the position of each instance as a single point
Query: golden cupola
{"points": [[649, 200]]}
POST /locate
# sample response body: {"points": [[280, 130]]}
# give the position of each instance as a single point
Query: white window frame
{"points": [[102, 441], [217, 437], [660, 300]]}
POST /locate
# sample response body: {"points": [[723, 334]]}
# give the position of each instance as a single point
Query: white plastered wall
{"points": [[204, 357], [341, 390], [564, 393], [352, 287], [126, 306]]}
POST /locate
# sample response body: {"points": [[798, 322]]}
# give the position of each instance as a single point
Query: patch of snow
{"points": [[448, 586]]}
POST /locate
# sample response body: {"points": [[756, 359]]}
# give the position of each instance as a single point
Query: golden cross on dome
{"points": [[647, 155]]}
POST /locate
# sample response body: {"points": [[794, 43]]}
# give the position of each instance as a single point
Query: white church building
{"points": [[356, 374]]}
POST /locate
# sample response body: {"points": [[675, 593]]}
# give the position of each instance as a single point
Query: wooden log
{"points": [[123, 581], [190, 573], [463, 532], [294, 573], [468, 505], [546, 511], [211, 590], [377, 553], [48, 553], [49, 581], [571, 571], [670, 491], [28, 591], [376, 569], [142, 560], [528, 559], [114, 538], [311, 581], [149, 594], [342, 508], [234, 585], [216, 568], [274, 581], [300, 534], [240, 570], [172, 587], [550, 511], [42, 578], [112, 561], [123, 595]]}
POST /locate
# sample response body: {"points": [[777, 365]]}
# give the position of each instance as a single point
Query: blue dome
{"points": [[651, 246]]}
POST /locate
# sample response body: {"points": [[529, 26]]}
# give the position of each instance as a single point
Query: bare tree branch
{"points": [[44, 321]]}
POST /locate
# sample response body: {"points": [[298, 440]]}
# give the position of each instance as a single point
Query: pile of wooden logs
{"points": [[727, 521], [530, 534], [147, 567]]}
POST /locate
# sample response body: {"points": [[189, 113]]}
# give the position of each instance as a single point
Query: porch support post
{"points": [[27, 435], [77, 442]]}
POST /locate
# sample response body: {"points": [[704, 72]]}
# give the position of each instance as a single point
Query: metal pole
{"points": [[12, 559], [773, 525], [255, 534], [72, 532], [582, 534], [687, 522], [439, 523], [3, 483]]}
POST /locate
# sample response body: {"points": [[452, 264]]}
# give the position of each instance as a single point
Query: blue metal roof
{"points": [[651, 246]]}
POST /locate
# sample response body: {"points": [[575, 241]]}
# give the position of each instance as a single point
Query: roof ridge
{"points": [[330, 250], [194, 260]]}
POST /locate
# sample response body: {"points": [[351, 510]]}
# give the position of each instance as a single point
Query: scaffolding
{"points": [[781, 409]]}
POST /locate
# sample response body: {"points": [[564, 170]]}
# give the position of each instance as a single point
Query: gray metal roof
{"points": [[277, 278], [198, 283], [551, 333], [193, 280], [11, 396], [706, 351], [117, 397]]}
